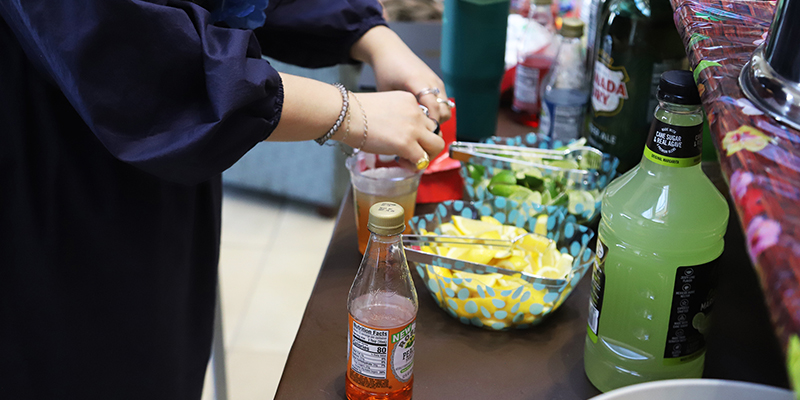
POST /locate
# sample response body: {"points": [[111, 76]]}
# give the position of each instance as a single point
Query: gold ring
{"points": [[431, 90], [423, 162]]}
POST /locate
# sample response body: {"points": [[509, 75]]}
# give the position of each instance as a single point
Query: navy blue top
{"points": [[117, 118]]}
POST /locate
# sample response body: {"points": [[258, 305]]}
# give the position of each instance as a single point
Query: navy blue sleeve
{"points": [[160, 87], [316, 33]]}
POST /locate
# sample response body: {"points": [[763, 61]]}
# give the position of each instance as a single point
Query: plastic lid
{"points": [[386, 218], [571, 28], [677, 86], [542, 2]]}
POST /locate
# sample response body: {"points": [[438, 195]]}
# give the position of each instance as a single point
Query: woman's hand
{"points": [[396, 125], [398, 68]]}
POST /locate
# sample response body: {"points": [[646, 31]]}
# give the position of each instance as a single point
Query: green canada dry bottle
{"points": [[661, 231], [636, 42]]}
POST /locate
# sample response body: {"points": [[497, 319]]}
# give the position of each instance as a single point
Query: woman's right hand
{"points": [[395, 125]]}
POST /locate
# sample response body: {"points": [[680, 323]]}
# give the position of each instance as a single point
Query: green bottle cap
{"points": [[386, 218], [571, 28]]}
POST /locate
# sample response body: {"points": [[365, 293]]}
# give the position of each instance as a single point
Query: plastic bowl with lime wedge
{"points": [[574, 184]]}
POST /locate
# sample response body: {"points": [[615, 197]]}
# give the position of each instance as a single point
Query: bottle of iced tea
{"points": [[382, 304]]}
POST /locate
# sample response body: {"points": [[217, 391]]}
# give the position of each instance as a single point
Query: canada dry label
{"points": [[610, 86], [692, 300], [380, 360], [598, 285], [674, 146]]}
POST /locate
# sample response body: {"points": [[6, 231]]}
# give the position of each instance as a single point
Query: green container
{"points": [[473, 52]]}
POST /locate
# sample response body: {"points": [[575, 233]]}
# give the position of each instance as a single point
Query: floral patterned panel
{"points": [[759, 157]]}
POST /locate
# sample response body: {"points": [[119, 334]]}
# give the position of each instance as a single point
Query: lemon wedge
{"points": [[457, 252], [472, 227], [550, 272], [541, 225], [449, 229], [550, 256], [515, 263], [490, 219], [564, 264], [534, 243], [479, 255], [492, 235]]}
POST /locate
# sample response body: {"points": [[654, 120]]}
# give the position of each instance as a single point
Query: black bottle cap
{"points": [[677, 86]]}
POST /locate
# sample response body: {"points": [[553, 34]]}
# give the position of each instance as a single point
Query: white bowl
{"points": [[705, 389]]}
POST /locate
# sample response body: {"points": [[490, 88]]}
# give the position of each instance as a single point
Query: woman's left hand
{"points": [[398, 68]]}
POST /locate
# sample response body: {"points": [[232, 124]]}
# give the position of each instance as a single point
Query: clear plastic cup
{"points": [[380, 178]]}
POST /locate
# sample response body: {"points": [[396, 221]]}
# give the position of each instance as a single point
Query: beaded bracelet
{"points": [[345, 104]]}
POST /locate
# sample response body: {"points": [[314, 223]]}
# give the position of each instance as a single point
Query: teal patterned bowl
{"points": [[503, 304], [476, 180]]}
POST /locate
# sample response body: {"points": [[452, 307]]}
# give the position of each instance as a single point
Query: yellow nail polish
{"points": [[423, 163]]}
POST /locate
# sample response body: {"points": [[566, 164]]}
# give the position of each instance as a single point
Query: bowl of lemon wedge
{"points": [[517, 285]]}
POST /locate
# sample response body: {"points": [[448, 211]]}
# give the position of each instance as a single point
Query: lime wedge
{"points": [[578, 143], [476, 171], [580, 202], [504, 177], [514, 192], [559, 199], [546, 198], [533, 179], [565, 164], [502, 190], [591, 161], [525, 195]]}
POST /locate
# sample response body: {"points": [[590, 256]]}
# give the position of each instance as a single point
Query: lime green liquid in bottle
{"points": [[661, 231]]}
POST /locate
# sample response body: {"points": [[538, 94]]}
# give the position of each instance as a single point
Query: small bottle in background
{"points": [[382, 305], [565, 89], [521, 7], [534, 57]]}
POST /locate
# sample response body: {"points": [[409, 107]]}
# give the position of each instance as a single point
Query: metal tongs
{"points": [[464, 151], [411, 244]]}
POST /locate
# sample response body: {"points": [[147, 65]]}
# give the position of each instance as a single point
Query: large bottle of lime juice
{"points": [[661, 231]]}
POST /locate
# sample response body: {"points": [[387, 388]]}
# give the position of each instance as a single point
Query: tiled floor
{"points": [[271, 253]]}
